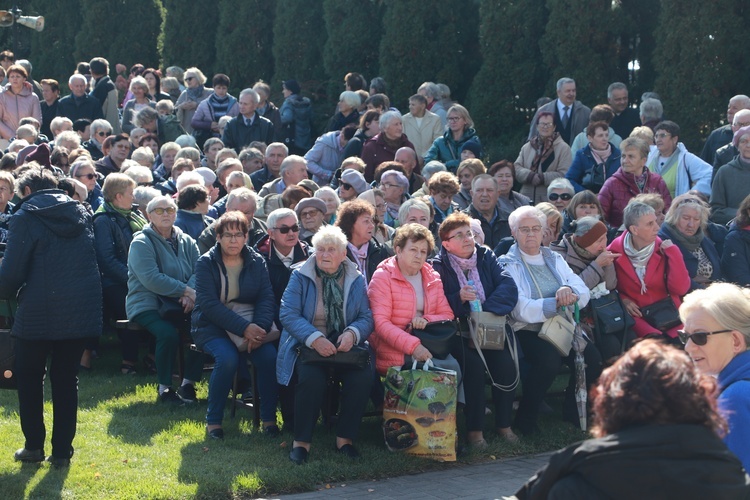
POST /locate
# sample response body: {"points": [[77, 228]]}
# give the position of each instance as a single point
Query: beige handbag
{"points": [[487, 330]]}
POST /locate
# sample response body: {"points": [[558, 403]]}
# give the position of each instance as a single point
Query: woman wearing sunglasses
{"points": [[161, 269], [194, 94], [559, 192], [83, 170], [717, 338], [543, 159]]}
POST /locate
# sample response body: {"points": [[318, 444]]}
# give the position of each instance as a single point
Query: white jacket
{"points": [[422, 136], [529, 311], [692, 173]]}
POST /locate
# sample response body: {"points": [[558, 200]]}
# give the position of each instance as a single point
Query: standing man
{"points": [[421, 127], [50, 99], [626, 118], [723, 135], [249, 126], [79, 104], [571, 116], [105, 92], [276, 152]]}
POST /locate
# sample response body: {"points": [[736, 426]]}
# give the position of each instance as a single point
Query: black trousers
{"points": [[503, 371], [31, 367], [309, 392], [544, 362]]}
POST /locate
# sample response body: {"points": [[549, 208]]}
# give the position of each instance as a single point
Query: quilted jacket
{"points": [[619, 189]]}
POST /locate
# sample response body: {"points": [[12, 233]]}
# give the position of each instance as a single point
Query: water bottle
{"points": [[474, 305]]}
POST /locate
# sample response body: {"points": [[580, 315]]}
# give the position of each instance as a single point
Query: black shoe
{"points": [[216, 433], [169, 396], [348, 450], [126, 369], [58, 462], [298, 455], [29, 456], [187, 393], [271, 431], [150, 365]]}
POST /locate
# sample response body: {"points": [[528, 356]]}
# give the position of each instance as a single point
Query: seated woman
{"points": [[383, 233], [325, 308], [648, 269], [161, 266], [505, 173], [231, 278], [653, 411], [332, 201], [115, 224], [545, 283], [559, 192], [460, 261], [395, 188], [405, 293], [356, 220], [585, 204], [735, 258], [83, 170], [467, 170], [717, 338], [443, 187], [460, 129], [596, 162], [687, 226], [193, 204]]}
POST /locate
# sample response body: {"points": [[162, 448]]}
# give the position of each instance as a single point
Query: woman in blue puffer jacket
{"points": [[447, 149]]}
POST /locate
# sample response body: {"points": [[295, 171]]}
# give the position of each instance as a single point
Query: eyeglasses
{"points": [[87, 176], [385, 185], [454, 118], [286, 229], [233, 236], [346, 186], [309, 213], [698, 338], [525, 230], [189, 78], [545, 125], [563, 197], [461, 236], [661, 135], [161, 211], [102, 134]]}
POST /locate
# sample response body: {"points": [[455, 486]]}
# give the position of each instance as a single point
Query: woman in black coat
{"points": [[114, 225], [50, 264], [459, 261]]}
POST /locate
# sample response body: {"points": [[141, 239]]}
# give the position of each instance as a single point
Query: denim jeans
{"points": [[227, 360]]}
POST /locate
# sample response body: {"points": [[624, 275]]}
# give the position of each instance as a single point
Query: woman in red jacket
{"points": [[405, 293], [648, 269], [630, 180]]}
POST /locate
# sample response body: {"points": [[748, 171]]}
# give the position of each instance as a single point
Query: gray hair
{"points": [[196, 73], [564, 81], [143, 153], [432, 168], [328, 190], [249, 154], [77, 77], [330, 235], [100, 124], [142, 195], [727, 303], [144, 116], [210, 142], [431, 89], [401, 179], [351, 99], [633, 213], [169, 146], [187, 141], [190, 153], [684, 201], [57, 123], [139, 173], [403, 211], [158, 200], [523, 212], [651, 109], [138, 81], [615, 86], [386, 119], [739, 115], [289, 161], [226, 165], [483, 177], [252, 93], [25, 64], [741, 99], [279, 145], [278, 214], [584, 225], [561, 183], [188, 178], [240, 195]]}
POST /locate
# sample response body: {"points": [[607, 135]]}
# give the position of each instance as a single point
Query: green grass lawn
{"points": [[129, 446]]}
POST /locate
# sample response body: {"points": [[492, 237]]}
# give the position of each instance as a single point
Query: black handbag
{"points": [[593, 179], [356, 357], [8, 378], [610, 315], [662, 314], [438, 337]]}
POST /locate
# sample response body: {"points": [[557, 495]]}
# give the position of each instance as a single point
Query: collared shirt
{"points": [[249, 121], [561, 109], [287, 260]]}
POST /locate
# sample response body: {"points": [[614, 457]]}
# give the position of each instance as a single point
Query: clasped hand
{"points": [[325, 347]]}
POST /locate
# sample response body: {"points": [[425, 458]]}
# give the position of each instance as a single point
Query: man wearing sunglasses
{"points": [[98, 130]]}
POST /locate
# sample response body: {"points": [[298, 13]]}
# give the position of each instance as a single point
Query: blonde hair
{"points": [[726, 303]]}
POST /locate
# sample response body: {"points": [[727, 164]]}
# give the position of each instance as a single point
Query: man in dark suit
{"points": [[571, 116], [626, 118]]}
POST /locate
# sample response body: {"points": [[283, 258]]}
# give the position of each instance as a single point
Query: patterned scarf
{"points": [[134, 217], [333, 300], [219, 106], [360, 256], [466, 269], [639, 258], [601, 155], [543, 148], [195, 94]]}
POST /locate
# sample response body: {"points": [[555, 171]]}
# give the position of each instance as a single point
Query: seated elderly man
{"points": [[274, 156], [293, 170], [242, 200], [100, 130], [408, 159], [79, 104], [484, 196], [311, 213]]}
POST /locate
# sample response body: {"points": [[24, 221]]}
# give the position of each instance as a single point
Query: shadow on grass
{"points": [[50, 486], [137, 423]]}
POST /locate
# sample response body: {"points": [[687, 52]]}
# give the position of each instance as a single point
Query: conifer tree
{"points": [[299, 36], [190, 33]]}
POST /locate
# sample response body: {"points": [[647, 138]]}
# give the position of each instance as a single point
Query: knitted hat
{"points": [[592, 235], [310, 203], [473, 146], [355, 179], [39, 154], [292, 86]]}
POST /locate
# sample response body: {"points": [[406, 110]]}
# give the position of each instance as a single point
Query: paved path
{"points": [[484, 481]]}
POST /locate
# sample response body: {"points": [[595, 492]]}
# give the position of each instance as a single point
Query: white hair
{"points": [[278, 214], [523, 212], [155, 202], [188, 178], [561, 183], [330, 235]]}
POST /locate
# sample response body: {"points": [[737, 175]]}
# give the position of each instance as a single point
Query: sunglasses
{"points": [[162, 211], [346, 186], [87, 176], [563, 197], [102, 134], [189, 78], [286, 229], [698, 338]]}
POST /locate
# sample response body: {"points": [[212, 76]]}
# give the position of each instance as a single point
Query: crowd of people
{"points": [[225, 221]]}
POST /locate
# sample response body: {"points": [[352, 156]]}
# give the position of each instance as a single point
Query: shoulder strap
{"points": [[512, 348]]}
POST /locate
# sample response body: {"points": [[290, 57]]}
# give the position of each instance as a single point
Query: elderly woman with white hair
{"points": [[717, 338], [395, 187], [559, 192], [349, 103], [99, 131], [194, 93], [383, 146], [161, 292], [700, 241], [332, 201], [84, 171], [650, 273], [325, 311], [545, 284], [139, 89]]}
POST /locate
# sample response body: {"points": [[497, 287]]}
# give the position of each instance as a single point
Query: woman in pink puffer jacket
{"points": [[394, 302], [17, 101]]}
